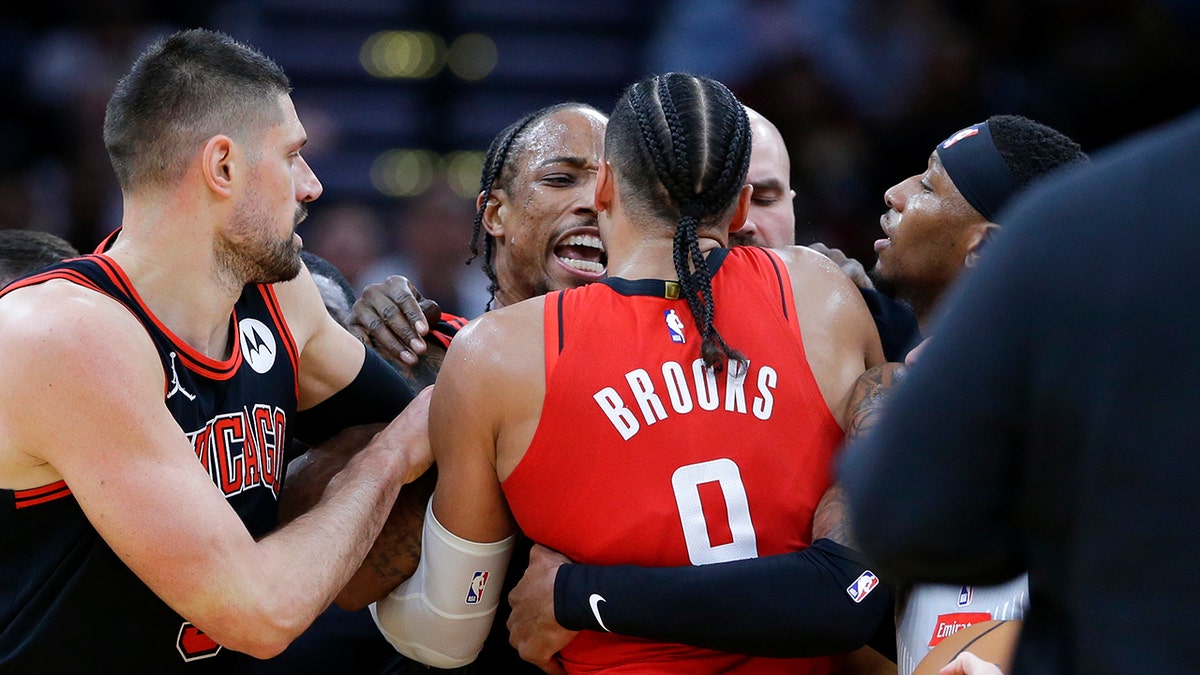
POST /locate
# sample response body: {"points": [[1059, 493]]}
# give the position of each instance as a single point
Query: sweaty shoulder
{"points": [[840, 337], [822, 277], [502, 341]]}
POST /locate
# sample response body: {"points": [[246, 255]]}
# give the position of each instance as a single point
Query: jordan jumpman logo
{"points": [[175, 386]]}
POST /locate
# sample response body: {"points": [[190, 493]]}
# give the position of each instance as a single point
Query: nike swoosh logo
{"points": [[594, 600]]}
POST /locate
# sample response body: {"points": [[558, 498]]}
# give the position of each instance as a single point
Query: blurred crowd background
{"points": [[401, 97]]}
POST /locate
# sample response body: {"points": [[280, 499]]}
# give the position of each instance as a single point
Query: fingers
{"points": [[393, 316]]}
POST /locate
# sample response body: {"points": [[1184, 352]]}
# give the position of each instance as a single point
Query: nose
{"points": [[308, 186], [894, 197], [585, 199]]}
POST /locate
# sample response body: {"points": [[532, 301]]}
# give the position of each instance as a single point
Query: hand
{"points": [[850, 267], [967, 663], [394, 318], [532, 628]]}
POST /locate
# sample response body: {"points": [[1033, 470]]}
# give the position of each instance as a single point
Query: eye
{"points": [[925, 186], [763, 201], [559, 180]]}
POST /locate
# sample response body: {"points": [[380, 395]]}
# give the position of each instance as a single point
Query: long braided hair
{"points": [[681, 144], [497, 173]]}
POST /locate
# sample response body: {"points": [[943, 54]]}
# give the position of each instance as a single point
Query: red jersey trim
{"points": [[40, 495], [192, 359], [289, 342], [552, 316], [68, 275]]}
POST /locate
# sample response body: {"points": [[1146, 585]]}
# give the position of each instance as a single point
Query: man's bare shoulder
{"points": [[62, 344], [61, 315], [502, 333], [822, 277]]}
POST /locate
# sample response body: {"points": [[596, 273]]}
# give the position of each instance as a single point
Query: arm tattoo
{"points": [[831, 521], [868, 396]]}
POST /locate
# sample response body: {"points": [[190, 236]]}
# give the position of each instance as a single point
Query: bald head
{"points": [[771, 221]]}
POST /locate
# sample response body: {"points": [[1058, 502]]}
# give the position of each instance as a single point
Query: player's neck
{"points": [[650, 257], [176, 279]]}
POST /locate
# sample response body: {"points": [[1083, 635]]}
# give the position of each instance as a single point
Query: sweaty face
{"points": [[260, 244], [545, 226], [771, 220], [926, 231]]}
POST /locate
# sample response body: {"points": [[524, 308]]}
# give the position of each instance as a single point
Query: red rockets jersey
{"points": [[642, 456], [68, 603]]}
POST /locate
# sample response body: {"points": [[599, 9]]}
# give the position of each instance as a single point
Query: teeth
{"points": [[589, 240], [584, 265]]}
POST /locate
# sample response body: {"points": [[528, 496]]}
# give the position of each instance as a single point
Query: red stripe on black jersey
{"points": [[70, 275], [285, 332], [40, 495], [188, 356]]}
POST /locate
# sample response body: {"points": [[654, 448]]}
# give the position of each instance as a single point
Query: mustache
{"points": [[301, 213]]}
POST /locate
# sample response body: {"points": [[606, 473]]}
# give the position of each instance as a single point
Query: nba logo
{"points": [[674, 326], [965, 594], [475, 590], [864, 584]]}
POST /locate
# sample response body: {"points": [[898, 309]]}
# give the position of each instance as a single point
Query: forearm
{"points": [[394, 556], [441, 616], [790, 605], [264, 594]]}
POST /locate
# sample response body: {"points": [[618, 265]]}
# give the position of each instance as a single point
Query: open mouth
{"points": [[583, 252]]}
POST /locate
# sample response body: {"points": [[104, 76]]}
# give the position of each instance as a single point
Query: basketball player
{"points": [[925, 210], [150, 392], [672, 187]]}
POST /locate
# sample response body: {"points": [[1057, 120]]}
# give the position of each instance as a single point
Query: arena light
{"points": [[472, 56], [462, 172], [395, 54], [404, 172]]}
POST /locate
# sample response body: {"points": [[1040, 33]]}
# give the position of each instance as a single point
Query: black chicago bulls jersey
{"points": [[67, 603]]}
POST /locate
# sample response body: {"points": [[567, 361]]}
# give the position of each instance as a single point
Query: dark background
{"points": [[862, 91]]}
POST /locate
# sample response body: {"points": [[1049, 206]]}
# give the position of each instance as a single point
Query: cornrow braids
{"points": [[496, 173], [690, 137]]}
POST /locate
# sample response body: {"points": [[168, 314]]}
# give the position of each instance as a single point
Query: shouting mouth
{"points": [[582, 253]]}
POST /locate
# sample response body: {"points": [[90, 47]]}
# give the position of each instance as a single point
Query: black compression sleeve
{"points": [[377, 394], [790, 605]]}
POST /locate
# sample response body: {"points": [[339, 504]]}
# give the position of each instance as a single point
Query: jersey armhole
{"points": [[552, 312], [786, 297]]}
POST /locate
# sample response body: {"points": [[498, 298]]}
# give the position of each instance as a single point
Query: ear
{"points": [[979, 236], [604, 186], [493, 214], [217, 165], [742, 211]]}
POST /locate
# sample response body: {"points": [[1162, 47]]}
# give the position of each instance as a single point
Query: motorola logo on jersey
{"points": [[258, 344], [193, 644]]}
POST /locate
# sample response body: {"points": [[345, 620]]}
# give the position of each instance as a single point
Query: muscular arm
{"points": [[738, 606], [442, 615], [136, 477]]}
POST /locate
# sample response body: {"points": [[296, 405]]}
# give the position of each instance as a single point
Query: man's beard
{"points": [[882, 285], [254, 259]]}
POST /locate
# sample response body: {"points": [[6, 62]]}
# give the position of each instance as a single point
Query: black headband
{"points": [[978, 170]]}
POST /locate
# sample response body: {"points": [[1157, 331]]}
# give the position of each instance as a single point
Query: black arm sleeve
{"points": [[377, 394], [790, 605]]}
